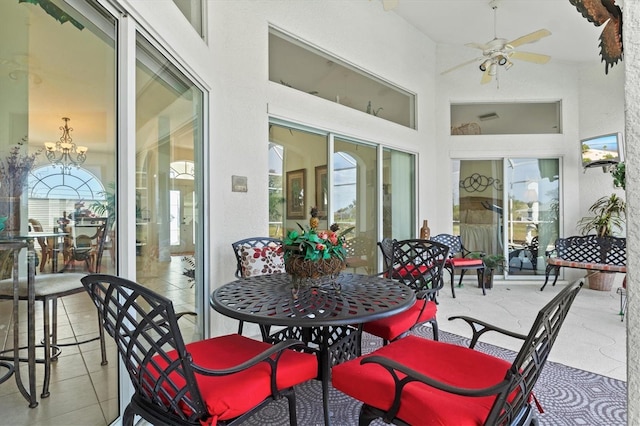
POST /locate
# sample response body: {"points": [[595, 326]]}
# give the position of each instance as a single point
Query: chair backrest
{"points": [[527, 366], [84, 244], [258, 256], [37, 227], [419, 264], [452, 241], [144, 326], [386, 248]]}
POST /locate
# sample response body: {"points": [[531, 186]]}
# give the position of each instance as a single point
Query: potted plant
{"points": [[491, 263], [607, 215]]}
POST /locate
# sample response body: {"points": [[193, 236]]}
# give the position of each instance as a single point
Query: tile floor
{"points": [[83, 392]]}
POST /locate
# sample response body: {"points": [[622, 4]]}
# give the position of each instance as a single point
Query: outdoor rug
{"points": [[569, 396]]}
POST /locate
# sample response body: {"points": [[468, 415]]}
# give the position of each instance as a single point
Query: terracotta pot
{"points": [[601, 281]]}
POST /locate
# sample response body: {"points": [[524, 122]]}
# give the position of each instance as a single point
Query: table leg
{"points": [[325, 373]]}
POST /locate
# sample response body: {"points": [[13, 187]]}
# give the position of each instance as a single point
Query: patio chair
{"points": [[458, 260], [46, 245], [89, 248], [48, 288], [418, 264], [359, 254], [220, 380], [421, 381], [257, 256]]}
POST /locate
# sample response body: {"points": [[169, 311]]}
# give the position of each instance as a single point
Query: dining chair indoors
{"points": [[458, 260], [419, 381], [220, 380], [257, 256], [418, 264], [89, 248], [48, 289]]}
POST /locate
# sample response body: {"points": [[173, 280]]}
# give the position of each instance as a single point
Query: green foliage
{"points": [[316, 245], [491, 261], [608, 214], [619, 175]]}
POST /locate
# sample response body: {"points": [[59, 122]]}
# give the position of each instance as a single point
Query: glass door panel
{"points": [[169, 117], [57, 67], [532, 223], [301, 159], [399, 186], [355, 200]]}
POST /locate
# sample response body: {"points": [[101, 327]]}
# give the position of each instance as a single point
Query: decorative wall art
{"points": [[296, 183]]}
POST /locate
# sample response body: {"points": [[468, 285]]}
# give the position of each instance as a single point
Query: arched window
{"points": [[48, 182]]}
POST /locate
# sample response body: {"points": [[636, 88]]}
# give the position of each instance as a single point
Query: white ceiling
{"points": [[458, 22]]}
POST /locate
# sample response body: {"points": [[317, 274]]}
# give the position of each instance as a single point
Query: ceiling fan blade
{"points": [[536, 58], [486, 77], [530, 38], [389, 4], [461, 65], [481, 46]]}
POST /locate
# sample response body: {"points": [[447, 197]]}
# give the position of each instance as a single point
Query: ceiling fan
{"points": [[499, 52]]}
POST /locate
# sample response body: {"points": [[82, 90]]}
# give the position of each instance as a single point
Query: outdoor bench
{"points": [[590, 252]]}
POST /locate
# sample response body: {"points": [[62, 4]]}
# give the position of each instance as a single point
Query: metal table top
{"points": [[272, 300]]}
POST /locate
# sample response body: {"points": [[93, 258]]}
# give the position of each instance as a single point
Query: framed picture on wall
{"points": [[322, 194], [296, 183]]}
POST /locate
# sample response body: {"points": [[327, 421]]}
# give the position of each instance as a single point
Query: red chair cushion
{"points": [[422, 404], [391, 327], [413, 270], [463, 262], [229, 396]]}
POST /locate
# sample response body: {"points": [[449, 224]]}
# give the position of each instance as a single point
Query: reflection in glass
{"points": [[168, 134]]}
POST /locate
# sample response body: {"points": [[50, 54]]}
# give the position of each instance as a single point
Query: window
{"points": [[295, 64], [506, 118]]}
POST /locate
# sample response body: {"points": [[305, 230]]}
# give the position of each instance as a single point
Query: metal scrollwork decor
{"points": [[479, 183]]}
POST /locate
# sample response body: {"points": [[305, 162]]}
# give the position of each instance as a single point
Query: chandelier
{"points": [[65, 153]]}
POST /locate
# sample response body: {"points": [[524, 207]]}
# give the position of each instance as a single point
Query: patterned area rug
{"points": [[569, 396]]}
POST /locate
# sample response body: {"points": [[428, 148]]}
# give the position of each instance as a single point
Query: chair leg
{"points": [[453, 291], [462, 271], [103, 348], [47, 344], [367, 415], [240, 326], [434, 326], [128, 416], [291, 398]]}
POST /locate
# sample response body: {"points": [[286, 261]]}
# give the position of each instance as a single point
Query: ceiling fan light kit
{"points": [[499, 52]]}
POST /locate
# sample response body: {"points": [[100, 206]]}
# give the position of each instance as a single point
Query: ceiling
{"points": [[458, 22]]}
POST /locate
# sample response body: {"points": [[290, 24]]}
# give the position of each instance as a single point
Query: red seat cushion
{"points": [[391, 327], [463, 262], [422, 404], [229, 396]]}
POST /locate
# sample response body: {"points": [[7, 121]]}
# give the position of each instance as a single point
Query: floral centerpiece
{"points": [[14, 174], [311, 253]]}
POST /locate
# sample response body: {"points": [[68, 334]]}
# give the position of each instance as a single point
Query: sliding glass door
{"points": [[510, 207]]}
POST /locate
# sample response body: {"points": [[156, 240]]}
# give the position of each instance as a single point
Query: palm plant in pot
{"points": [[607, 216]]}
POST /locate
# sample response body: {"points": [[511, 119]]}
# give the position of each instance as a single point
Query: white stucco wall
{"points": [[632, 119]]}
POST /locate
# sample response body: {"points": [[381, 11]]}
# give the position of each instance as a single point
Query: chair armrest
{"points": [[479, 327], [264, 356], [412, 375]]}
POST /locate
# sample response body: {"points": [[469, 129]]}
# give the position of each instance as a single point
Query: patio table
{"points": [[327, 316]]}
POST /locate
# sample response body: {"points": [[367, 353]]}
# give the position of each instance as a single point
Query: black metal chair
{"points": [[257, 256], [418, 264], [221, 380], [48, 288], [420, 381], [458, 260]]}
